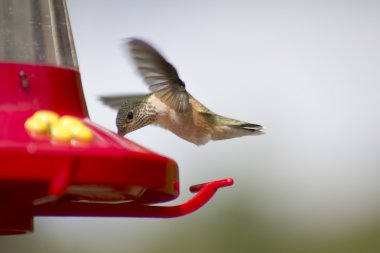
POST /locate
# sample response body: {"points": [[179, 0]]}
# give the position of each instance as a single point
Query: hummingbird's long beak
{"points": [[121, 131]]}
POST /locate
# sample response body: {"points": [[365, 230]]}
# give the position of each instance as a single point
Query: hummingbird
{"points": [[169, 105]]}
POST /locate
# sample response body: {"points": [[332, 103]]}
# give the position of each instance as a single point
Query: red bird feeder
{"points": [[54, 160]]}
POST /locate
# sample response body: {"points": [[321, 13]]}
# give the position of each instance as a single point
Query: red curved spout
{"points": [[204, 193]]}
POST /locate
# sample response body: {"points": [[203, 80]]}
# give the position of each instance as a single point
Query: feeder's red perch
{"points": [[206, 191]]}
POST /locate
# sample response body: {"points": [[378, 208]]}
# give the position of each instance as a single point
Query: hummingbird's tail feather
{"points": [[115, 101], [253, 128], [227, 128]]}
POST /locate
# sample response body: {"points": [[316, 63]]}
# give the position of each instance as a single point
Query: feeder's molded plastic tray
{"points": [[107, 168]]}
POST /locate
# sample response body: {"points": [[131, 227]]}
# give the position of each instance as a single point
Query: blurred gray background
{"points": [[306, 70]]}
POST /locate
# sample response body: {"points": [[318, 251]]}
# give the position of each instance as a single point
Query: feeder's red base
{"points": [[42, 177]]}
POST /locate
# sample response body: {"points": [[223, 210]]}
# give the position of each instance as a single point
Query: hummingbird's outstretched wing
{"points": [[160, 75]]}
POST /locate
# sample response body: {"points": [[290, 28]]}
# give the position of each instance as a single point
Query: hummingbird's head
{"points": [[135, 113]]}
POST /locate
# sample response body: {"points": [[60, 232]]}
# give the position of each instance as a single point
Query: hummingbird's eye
{"points": [[130, 115]]}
